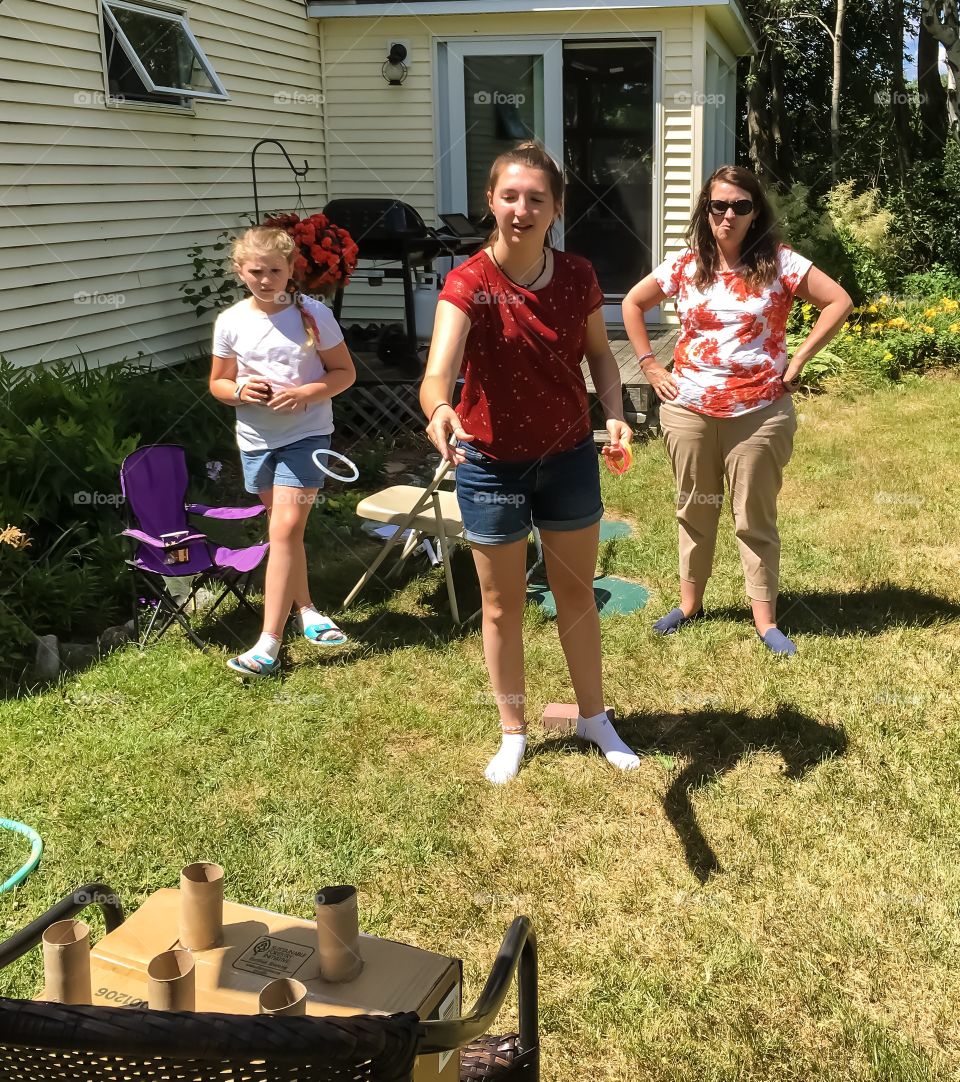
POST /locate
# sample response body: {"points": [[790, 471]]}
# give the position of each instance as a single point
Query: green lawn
{"points": [[773, 895]]}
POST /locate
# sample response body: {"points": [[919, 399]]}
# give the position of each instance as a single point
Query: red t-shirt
{"points": [[524, 394]]}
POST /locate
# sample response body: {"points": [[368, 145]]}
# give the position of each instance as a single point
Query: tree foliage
{"points": [[828, 98]]}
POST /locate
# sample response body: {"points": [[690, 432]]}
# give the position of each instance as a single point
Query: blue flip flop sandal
{"points": [[316, 631], [258, 665]]}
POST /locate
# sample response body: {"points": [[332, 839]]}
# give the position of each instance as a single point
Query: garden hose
{"points": [[36, 849]]}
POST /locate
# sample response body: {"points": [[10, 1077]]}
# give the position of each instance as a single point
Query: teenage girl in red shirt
{"points": [[518, 318]]}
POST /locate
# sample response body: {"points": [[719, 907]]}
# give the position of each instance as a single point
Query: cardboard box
{"points": [[259, 946]]}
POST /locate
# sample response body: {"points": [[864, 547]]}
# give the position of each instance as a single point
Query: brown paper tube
{"points": [[201, 906], [284, 996], [66, 962], [171, 982], [338, 934]]}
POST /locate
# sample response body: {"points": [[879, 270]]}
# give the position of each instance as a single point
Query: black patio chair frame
{"points": [[42, 1042]]}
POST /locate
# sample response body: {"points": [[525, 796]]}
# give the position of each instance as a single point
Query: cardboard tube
{"points": [[66, 962], [338, 934], [201, 906], [171, 982], [284, 996]]}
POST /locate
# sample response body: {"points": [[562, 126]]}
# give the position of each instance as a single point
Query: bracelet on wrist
{"points": [[650, 356], [436, 407]]}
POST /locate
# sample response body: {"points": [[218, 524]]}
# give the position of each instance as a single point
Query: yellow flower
{"points": [[927, 329], [950, 305], [884, 300], [14, 537], [955, 328], [930, 313], [872, 308], [888, 356], [898, 321]]}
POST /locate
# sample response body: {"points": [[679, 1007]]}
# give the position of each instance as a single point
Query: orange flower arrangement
{"points": [[326, 254]]}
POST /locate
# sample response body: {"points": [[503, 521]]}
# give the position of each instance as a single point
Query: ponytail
{"points": [[309, 323]]}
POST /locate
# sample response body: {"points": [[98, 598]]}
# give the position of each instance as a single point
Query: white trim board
{"points": [[400, 8]]}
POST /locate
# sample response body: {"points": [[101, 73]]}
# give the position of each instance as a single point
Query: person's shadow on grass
{"points": [[713, 742], [837, 613]]}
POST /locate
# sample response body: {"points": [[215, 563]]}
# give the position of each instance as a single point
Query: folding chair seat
{"points": [[48, 1042], [154, 483], [429, 511], [426, 511]]}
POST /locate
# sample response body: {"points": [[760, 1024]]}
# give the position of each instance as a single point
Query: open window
{"points": [[152, 56]]}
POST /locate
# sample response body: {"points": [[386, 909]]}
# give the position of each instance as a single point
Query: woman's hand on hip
{"points": [[662, 382], [443, 425], [791, 378]]}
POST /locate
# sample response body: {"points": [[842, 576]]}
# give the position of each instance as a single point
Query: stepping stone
{"points": [[613, 595], [613, 528]]}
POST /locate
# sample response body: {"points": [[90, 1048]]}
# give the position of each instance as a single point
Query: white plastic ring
{"points": [[342, 458]]}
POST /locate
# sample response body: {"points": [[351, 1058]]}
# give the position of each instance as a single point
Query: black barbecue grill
{"points": [[389, 231]]}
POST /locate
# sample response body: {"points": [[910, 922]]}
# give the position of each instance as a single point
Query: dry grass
{"points": [[773, 895]]}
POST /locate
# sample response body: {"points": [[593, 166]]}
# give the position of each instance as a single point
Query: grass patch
{"points": [[773, 895]]}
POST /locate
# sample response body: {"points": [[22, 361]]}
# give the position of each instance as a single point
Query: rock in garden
{"points": [[46, 665]]}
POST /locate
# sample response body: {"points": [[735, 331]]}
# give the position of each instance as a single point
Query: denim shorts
{"points": [[501, 501], [291, 466]]}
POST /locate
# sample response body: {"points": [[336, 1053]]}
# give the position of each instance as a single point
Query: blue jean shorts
{"points": [[501, 501], [291, 466]]}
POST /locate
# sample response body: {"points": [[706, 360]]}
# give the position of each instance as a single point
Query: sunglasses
{"points": [[740, 206]]}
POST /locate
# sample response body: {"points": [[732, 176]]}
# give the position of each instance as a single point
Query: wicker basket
{"points": [[492, 1059]]}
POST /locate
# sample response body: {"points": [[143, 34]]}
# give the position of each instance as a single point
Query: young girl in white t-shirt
{"points": [[279, 357]]}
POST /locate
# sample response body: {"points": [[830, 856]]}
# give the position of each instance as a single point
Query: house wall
{"points": [[107, 201], [381, 140]]}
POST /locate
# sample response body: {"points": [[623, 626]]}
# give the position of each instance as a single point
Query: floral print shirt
{"points": [[732, 350]]}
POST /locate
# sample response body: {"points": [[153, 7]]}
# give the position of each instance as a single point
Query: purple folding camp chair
{"points": [[154, 483]]}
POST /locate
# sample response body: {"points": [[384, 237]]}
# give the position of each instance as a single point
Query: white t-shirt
{"points": [[732, 351], [274, 348]]}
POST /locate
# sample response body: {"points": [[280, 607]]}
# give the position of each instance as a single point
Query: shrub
{"points": [[886, 339], [847, 236], [63, 433]]}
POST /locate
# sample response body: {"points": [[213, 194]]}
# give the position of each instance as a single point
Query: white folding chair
{"points": [[425, 511]]}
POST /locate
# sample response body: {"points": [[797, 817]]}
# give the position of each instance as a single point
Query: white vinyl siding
{"points": [[381, 139], [106, 201]]}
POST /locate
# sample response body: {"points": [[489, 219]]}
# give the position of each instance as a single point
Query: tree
{"points": [[941, 19]]}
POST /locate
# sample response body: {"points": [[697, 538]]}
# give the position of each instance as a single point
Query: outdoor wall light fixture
{"points": [[394, 69]]}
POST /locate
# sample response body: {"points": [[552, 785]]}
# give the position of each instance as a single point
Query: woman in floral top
{"points": [[726, 410]]}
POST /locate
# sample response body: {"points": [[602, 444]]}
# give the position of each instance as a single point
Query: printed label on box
{"points": [[448, 1008], [115, 998], [270, 956]]}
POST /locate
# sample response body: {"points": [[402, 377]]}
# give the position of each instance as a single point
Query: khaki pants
{"points": [[750, 451]]}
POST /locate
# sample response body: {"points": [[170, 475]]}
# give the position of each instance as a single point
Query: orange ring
{"points": [[624, 460]]}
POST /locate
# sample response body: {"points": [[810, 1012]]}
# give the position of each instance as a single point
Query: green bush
{"points": [[926, 213], [885, 339], [934, 284], [848, 236], [64, 432]]}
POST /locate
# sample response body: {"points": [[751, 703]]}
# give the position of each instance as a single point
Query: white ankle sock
{"points": [[506, 763], [266, 646], [599, 731]]}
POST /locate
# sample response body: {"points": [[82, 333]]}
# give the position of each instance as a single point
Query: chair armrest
{"points": [[225, 512], [159, 543], [91, 894], [517, 951]]}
